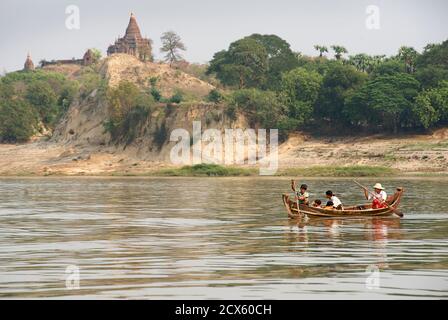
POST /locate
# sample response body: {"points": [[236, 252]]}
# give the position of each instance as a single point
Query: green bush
{"points": [[260, 107], [91, 80], [153, 81], [129, 108], [156, 94], [176, 97], [215, 96], [18, 120]]}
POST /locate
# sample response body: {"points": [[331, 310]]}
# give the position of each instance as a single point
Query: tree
{"points": [[261, 107], [18, 120], [122, 99], [215, 96], [377, 60], [365, 63], [48, 94], [280, 57], [128, 108], [409, 56], [432, 65], [43, 98], [300, 89], [339, 51], [434, 55], [171, 44], [321, 49], [361, 61], [254, 61], [431, 76], [244, 65], [388, 67], [385, 100], [431, 106], [96, 54], [339, 82], [320, 65]]}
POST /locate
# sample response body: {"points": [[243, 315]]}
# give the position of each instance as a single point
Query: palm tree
{"points": [[321, 49], [360, 61], [376, 61], [408, 55], [339, 51], [429, 46]]}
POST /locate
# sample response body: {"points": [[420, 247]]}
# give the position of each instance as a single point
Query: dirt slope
{"points": [[125, 67]]}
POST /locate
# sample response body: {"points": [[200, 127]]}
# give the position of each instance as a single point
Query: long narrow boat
{"points": [[357, 211]]}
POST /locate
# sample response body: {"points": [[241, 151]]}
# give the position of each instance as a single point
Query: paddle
{"points": [[293, 187], [398, 213]]}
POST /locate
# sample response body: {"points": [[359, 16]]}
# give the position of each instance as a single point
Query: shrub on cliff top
{"points": [[129, 107]]}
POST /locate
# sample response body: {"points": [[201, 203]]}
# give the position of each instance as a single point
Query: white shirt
{"points": [[336, 201], [380, 196]]}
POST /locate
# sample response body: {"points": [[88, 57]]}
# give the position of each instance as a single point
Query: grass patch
{"points": [[425, 146], [348, 171], [213, 170], [206, 170]]}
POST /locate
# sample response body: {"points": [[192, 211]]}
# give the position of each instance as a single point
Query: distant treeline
{"points": [[280, 88]]}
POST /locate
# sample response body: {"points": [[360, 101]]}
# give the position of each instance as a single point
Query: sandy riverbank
{"points": [[407, 155]]}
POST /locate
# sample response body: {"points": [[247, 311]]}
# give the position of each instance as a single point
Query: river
{"points": [[215, 238]]}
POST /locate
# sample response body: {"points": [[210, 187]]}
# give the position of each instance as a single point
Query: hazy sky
{"points": [[207, 26]]}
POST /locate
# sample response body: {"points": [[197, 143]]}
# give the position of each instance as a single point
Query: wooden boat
{"points": [[357, 211]]}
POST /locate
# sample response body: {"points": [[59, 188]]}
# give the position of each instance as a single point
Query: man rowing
{"points": [[302, 196], [378, 197]]}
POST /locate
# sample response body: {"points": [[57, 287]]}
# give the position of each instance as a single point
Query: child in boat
{"points": [[317, 203], [378, 197], [302, 195], [329, 205], [337, 204]]}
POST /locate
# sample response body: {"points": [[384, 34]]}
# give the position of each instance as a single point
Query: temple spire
{"points": [[29, 65], [132, 42], [133, 31]]}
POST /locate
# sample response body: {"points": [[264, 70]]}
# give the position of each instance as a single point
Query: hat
{"points": [[378, 186]]}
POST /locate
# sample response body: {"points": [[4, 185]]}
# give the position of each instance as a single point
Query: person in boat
{"points": [[329, 205], [317, 203], [335, 202], [302, 195], [378, 197]]}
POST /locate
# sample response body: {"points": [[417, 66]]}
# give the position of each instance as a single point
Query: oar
{"points": [[398, 213], [293, 186]]}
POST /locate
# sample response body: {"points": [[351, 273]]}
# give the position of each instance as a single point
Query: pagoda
{"points": [[132, 43], [29, 65]]}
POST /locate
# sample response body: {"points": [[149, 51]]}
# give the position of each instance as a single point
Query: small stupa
{"points": [[29, 65]]}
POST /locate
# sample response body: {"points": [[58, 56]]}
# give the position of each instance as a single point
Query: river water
{"points": [[215, 238]]}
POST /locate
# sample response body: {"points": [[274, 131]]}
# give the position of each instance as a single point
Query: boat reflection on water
{"points": [[367, 237]]}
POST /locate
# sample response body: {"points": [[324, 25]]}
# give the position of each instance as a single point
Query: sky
{"points": [[207, 26]]}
